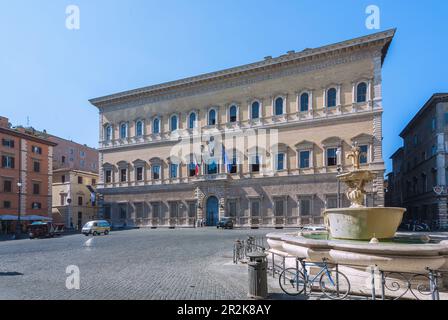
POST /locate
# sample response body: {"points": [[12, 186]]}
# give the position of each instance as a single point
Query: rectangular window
{"points": [[174, 209], [36, 166], [212, 167], [93, 182], [139, 210], [36, 205], [82, 154], [255, 208], [173, 170], [8, 162], [305, 207], [63, 159], [156, 172], [255, 164], [280, 165], [304, 159], [191, 169], [108, 176], [80, 201], [332, 157], [8, 143], [63, 178], [279, 207], [36, 188], [192, 209], [363, 159], [332, 202], [433, 124], [36, 150], [232, 208], [7, 186], [63, 201], [139, 174], [123, 175], [156, 210], [82, 163], [233, 167], [123, 211], [79, 180], [107, 212], [7, 204]]}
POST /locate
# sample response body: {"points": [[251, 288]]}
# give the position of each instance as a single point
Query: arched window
{"points": [[279, 106], [331, 98], [123, 130], [173, 123], [156, 126], [192, 121], [361, 92], [212, 117], [108, 132], [233, 113], [255, 110], [139, 128], [304, 102]]}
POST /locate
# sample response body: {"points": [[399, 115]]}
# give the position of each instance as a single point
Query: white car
{"points": [[314, 228]]}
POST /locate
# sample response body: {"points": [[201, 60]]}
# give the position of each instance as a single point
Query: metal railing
{"points": [[242, 247], [383, 284]]}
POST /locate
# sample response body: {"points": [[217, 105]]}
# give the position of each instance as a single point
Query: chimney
{"points": [[4, 122]]}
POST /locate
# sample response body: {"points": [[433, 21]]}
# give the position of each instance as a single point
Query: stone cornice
{"points": [[377, 42]]}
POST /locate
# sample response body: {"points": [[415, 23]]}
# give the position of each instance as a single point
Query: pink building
{"points": [[74, 156]]}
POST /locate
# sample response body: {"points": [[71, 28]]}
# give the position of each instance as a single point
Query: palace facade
{"points": [[286, 125]]}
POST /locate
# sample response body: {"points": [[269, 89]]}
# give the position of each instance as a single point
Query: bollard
{"points": [[258, 278]]}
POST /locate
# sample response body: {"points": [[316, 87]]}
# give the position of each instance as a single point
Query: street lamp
{"points": [[339, 170], [19, 223]]}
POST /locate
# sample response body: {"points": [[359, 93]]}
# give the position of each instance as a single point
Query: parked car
{"points": [[225, 223], [45, 230], [96, 228]]}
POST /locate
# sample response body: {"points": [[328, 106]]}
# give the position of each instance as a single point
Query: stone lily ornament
{"points": [[357, 179]]}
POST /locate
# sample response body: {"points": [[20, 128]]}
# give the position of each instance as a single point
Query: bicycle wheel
{"points": [[292, 282], [334, 285]]}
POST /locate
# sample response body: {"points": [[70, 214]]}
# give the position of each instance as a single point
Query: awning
{"points": [[24, 218]]}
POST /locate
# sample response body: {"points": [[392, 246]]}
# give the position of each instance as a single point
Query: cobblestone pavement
{"points": [[133, 264]]}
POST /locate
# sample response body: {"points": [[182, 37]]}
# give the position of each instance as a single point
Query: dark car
{"points": [[45, 230], [225, 223]]}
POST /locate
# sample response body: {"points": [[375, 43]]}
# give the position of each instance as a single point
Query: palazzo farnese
{"points": [[291, 121]]}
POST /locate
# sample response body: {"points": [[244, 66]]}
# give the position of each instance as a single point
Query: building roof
{"points": [[90, 173], [22, 133], [436, 98], [384, 38], [397, 153]]}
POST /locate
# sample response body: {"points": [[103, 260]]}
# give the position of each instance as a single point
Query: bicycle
{"points": [[333, 283]]}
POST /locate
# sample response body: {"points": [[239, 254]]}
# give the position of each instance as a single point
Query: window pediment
{"points": [[332, 141], [362, 138], [305, 144], [123, 164]]}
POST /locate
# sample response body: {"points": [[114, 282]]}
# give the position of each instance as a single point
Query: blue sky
{"points": [[48, 73]]}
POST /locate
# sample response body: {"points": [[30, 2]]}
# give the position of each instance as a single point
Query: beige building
{"points": [[291, 121], [74, 199]]}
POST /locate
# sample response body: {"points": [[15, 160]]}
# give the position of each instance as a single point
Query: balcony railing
{"points": [[293, 117]]}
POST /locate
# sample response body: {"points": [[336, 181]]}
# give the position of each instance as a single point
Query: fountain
{"points": [[359, 222], [360, 237]]}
